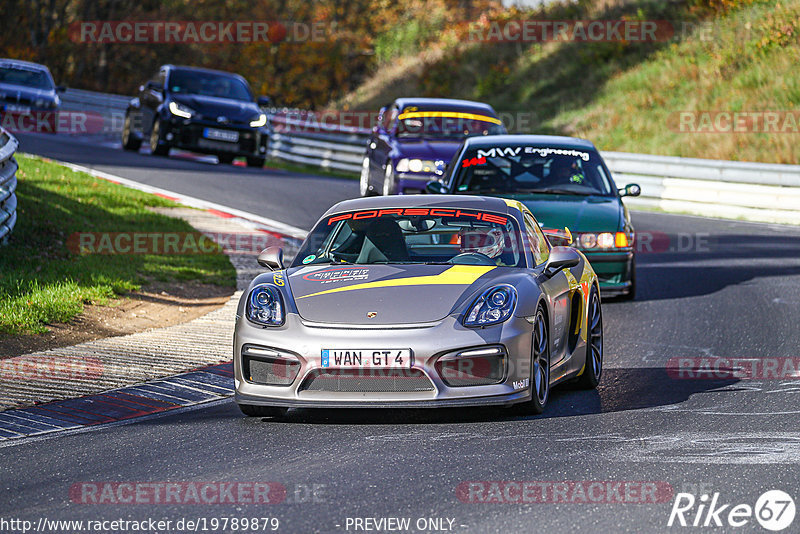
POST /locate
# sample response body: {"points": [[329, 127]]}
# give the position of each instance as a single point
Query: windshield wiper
{"points": [[555, 191], [333, 261]]}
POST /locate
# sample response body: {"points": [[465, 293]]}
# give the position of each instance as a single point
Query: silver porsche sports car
{"points": [[418, 301]]}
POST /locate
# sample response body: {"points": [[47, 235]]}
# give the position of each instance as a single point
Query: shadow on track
{"points": [[732, 259], [621, 390]]}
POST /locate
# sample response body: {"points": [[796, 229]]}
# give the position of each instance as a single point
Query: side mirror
{"points": [[153, 86], [377, 127], [631, 190], [264, 101], [61, 88], [561, 258], [558, 237], [271, 258], [436, 188]]}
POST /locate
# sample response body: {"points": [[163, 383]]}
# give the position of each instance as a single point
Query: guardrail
{"points": [[111, 108], [729, 189], [297, 137], [8, 184], [714, 188]]}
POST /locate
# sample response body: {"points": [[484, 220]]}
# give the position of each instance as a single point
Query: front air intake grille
{"points": [[367, 381], [480, 367], [268, 367]]}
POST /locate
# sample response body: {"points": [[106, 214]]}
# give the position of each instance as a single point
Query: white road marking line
{"points": [[270, 224]]}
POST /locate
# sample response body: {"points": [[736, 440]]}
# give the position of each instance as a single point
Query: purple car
{"points": [[415, 138]]}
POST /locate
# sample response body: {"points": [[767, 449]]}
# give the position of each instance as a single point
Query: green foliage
{"points": [[44, 281]]}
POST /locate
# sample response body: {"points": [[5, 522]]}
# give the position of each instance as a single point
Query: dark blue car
{"points": [[415, 138], [29, 95], [202, 110]]}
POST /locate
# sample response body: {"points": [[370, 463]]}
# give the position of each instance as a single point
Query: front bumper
{"points": [[30, 119], [187, 134], [614, 270], [414, 182], [428, 343]]}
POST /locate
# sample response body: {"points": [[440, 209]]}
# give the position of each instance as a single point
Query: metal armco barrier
{"points": [[107, 107], [713, 188], [8, 184], [729, 189], [298, 138]]}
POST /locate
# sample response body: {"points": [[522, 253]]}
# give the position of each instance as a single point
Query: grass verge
{"points": [[42, 281]]}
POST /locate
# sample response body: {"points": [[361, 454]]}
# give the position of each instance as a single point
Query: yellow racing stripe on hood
{"points": [[457, 275], [448, 114]]}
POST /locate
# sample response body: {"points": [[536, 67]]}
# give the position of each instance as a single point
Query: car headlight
{"points": [[259, 122], [420, 165], [604, 240], [494, 306], [179, 110], [265, 306]]}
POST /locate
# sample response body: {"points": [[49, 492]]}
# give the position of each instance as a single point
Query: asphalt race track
{"points": [[707, 289]]}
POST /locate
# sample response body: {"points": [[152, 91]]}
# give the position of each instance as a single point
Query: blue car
{"points": [[415, 138], [27, 91], [202, 110]]}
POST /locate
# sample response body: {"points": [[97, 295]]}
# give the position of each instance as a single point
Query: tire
{"points": [[129, 141], [225, 159], [263, 411], [363, 184], [593, 367], [255, 162], [157, 146], [540, 366], [389, 184]]}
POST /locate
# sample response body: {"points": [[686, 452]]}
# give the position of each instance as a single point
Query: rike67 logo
{"points": [[774, 510]]}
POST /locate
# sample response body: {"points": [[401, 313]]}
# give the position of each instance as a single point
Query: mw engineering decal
{"points": [[510, 151]]}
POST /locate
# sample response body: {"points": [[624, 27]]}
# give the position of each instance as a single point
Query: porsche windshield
{"points": [[414, 235], [526, 169], [443, 124]]}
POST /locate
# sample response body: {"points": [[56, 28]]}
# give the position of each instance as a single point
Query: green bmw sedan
{"points": [[565, 183]]}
